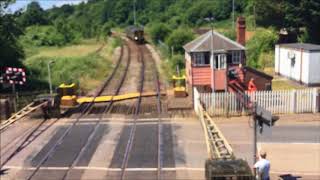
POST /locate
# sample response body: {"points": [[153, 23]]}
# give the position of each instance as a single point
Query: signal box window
{"points": [[201, 59]]}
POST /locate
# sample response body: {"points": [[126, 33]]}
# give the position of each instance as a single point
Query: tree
{"points": [[11, 51], [262, 42], [34, 15], [159, 31], [178, 38], [66, 30], [290, 14], [311, 11]]}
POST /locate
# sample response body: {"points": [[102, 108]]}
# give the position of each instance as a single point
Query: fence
{"points": [[278, 102]]}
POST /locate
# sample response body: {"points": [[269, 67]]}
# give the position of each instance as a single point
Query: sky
{"points": [[45, 4]]}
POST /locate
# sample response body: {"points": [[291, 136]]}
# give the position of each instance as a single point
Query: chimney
{"points": [[241, 30]]}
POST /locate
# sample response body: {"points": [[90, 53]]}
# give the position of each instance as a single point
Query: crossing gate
{"points": [[221, 162], [277, 102]]}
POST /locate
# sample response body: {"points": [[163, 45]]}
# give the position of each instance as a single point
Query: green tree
{"points": [[66, 30], [262, 42], [293, 15], [34, 15], [11, 51], [177, 60], [311, 11], [43, 36], [159, 31], [178, 38]]}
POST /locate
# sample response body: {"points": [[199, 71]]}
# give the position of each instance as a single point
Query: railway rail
{"points": [[97, 125], [148, 80], [19, 142], [145, 64], [85, 109]]}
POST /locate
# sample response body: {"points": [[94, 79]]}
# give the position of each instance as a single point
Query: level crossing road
{"points": [[302, 133], [183, 154]]}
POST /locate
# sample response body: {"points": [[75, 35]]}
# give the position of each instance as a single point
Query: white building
{"points": [[299, 62]]}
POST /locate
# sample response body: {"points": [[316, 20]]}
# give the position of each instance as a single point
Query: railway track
{"points": [[153, 83], [148, 81], [106, 109], [86, 108], [35, 129], [20, 142]]}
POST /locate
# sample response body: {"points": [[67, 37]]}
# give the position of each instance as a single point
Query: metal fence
{"points": [[278, 102]]}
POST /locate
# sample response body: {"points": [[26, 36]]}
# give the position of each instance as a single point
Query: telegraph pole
{"points": [[49, 77], [210, 20], [254, 136], [233, 27], [134, 12]]}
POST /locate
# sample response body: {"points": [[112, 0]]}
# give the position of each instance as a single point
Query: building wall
{"points": [[188, 67], [201, 75], [314, 68], [283, 64]]}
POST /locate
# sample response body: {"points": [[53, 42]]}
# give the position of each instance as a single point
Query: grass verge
{"points": [[80, 64]]}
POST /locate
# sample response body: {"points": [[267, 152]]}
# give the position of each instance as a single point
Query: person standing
{"points": [[262, 167]]}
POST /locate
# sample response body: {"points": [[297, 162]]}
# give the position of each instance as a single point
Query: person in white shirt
{"points": [[262, 166]]}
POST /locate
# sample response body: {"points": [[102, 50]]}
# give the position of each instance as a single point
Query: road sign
{"points": [[15, 75], [264, 116]]}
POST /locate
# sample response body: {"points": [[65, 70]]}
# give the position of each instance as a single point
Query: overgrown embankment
{"points": [[85, 64]]}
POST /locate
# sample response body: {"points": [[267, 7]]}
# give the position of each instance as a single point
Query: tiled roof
{"points": [[219, 43]]}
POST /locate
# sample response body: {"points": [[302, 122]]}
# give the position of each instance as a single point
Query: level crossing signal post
{"points": [[261, 117], [13, 76]]}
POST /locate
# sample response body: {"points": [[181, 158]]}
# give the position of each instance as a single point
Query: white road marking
{"points": [[96, 168], [165, 120], [105, 168], [298, 143], [296, 173], [182, 168], [141, 169]]}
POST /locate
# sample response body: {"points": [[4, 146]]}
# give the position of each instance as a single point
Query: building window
{"points": [[236, 57], [201, 59], [220, 61]]}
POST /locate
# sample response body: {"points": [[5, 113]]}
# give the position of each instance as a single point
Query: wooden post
{"points": [[14, 97], [314, 98], [293, 101]]}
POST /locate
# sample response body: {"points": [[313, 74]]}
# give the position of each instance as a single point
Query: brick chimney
{"points": [[241, 30]]}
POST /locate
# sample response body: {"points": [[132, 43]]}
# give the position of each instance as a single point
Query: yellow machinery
{"points": [[67, 94], [179, 86]]}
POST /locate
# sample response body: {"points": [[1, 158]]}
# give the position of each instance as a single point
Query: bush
{"points": [[159, 31], [177, 60], [178, 38], [68, 69], [43, 36], [263, 41]]}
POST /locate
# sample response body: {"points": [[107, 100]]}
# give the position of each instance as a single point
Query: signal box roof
{"points": [[217, 41]]}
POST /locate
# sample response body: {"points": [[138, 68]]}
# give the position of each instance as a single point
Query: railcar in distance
{"points": [[135, 33]]}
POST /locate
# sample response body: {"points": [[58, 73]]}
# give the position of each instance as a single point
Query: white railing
{"points": [[278, 102]]}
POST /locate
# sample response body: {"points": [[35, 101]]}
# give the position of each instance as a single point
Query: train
{"points": [[135, 33]]}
